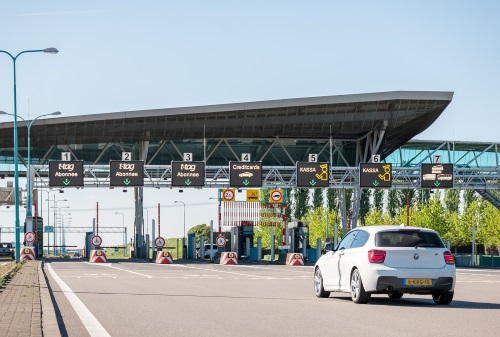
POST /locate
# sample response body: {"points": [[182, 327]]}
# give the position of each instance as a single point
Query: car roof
{"points": [[376, 229]]}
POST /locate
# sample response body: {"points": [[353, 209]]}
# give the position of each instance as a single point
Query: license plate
{"points": [[418, 282]]}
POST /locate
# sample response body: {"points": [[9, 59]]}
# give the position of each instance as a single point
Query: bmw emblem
{"points": [[415, 256]]}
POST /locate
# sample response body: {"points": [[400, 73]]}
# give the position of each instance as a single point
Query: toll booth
{"points": [[88, 244], [191, 246], [38, 230], [297, 237], [242, 241]]}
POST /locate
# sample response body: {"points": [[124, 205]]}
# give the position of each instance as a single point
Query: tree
{"points": [[317, 225], [392, 202], [317, 198], [331, 198], [425, 196], [264, 195], [452, 200], [402, 196], [469, 197], [264, 232], [458, 231], [289, 204], [364, 205], [301, 201], [489, 231], [434, 214], [200, 230], [378, 200], [377, 218], [348, 198]]}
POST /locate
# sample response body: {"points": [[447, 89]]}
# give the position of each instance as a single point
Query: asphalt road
{"points": [[202, 299]]}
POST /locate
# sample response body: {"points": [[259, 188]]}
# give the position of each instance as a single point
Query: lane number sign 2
{"points": [[126, 156]]}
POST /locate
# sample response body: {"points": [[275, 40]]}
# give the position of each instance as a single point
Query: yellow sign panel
{"points": [[276, 196], [228, 194], [253, 195]]}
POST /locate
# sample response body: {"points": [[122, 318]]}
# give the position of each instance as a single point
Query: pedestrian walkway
{"points": [[22, 301]]}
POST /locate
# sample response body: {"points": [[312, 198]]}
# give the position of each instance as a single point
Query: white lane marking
{"points": [[478, 270], [121, 269], [294, 269], [92, 325], [227, 272], [477, 281]]}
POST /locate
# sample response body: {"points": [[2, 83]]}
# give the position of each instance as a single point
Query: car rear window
{"points": [[408, 238]]}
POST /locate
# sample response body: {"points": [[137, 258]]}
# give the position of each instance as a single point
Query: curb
{"points": [[50, 327]]}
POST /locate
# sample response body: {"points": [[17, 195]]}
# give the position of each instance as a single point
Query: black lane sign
{"points": [[188, 173], [65, 173], [245, 174], [436, 176], [373, 175], [312, 174], [126, 173]]}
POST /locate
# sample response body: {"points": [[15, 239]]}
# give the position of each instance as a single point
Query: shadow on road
{"points": [[420, 302]]}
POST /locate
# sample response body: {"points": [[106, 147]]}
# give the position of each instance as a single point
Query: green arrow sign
{"points": [[126, 181], [246, 182], [312, 182], [437, 183], [66, 182], [376, 183], [187, 182]]}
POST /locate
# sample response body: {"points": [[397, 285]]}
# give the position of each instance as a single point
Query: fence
{"points": [[465, 260]]}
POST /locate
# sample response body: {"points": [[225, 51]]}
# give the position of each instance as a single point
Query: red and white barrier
{"points": [[229, 258], [294, 259], [164, 257], [28, 253], [97, 256]]}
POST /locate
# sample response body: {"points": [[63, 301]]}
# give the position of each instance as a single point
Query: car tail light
{"points": [[448, 258], [376, 256]]}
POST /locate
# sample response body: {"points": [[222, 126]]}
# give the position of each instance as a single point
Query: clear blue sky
{"points": [[133, 55]]}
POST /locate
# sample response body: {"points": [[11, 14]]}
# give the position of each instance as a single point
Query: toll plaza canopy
{"points": [[343, 130]]}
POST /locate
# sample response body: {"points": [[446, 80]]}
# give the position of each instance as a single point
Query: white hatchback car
{"points": [[389, 260], [209, 251]]}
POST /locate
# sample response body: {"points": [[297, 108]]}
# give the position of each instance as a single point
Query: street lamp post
{"points": [[48, 217], [55, 221], [124, 234], [62, 234], [28, 166], [184, 232], [16, 149]]}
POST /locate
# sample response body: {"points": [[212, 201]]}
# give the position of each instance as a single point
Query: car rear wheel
{"points": [[442, 297], [318, 285], [358, 293], [395, 295]]}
